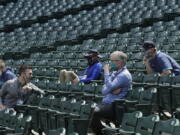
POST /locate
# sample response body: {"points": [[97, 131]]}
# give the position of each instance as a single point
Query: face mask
{"points": [[90, 61], [149, 55], [113, 66]]}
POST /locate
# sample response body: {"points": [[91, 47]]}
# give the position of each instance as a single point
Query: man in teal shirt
{"points": [[158, 62]]}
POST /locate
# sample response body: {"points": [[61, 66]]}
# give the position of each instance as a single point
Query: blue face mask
{"points": [[113, 66], [149, 55]]}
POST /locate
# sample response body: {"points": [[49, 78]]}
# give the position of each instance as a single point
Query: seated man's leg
{"points": [[102, 111], [62, 76], [70, 76]]}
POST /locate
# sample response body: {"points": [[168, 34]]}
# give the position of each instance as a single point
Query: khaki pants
{"points": [[67, 76]]}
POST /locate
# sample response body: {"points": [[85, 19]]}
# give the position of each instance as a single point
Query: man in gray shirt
{"points": [[16, 91]]}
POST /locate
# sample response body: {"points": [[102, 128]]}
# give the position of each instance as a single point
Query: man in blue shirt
{"points": [[5, 73], [158, 62], [116, 85], [93, 71]]}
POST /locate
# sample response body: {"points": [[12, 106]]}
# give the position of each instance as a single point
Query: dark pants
{"points": [[102, 111]]}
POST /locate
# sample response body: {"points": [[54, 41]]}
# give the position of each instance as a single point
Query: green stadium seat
{"points": [[166, 126], [80, 124], [145, 125], [61, 131], [176, 130], [128, 125]]}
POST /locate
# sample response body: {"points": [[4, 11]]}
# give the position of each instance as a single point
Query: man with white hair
{"points": [[116, 85]]}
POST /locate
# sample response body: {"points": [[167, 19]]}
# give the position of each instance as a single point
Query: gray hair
{"points": [[121, 56]]}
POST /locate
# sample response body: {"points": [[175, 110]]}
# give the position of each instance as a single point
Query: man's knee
{"points": [[62, 75], [63, 71]]}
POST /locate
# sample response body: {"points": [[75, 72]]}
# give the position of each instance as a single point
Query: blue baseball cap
{"points": [[148, 45], [92, 52]]}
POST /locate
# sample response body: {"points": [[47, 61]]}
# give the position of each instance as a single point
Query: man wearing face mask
{"points": [[92, 72], [16, 91], [158, 62], [116, 85], [5, 73]]}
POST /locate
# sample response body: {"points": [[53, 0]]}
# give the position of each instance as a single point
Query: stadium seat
{"points": [[128, 125], [146, 124], [176, 130], [61, 131], [166, 126], [81, 124]]}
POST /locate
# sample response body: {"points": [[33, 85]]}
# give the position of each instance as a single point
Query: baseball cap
{"points": [[148, 44], [92, 52]]}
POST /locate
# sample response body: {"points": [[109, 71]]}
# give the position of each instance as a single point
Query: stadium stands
{"points": [[53, 34]]}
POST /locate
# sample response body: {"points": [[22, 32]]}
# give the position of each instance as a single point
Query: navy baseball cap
{"points": [[148, 45], [92, 52]]}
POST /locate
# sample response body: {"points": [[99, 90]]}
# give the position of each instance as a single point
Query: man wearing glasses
{"points": [[116, 85], [16, 91], [5, 73]]}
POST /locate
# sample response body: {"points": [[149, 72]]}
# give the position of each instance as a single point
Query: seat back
{"points": [[148, 96], [176, 130], [151, 79], [166, 126], [145, 125], [129, 121], [59, 131], [24, 125]]}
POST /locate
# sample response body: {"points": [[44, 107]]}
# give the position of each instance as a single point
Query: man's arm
{"points": [[95, 74], [3, 93], [147, 65], [113, 86], [166, 72], [166, 65], [10, 76]]}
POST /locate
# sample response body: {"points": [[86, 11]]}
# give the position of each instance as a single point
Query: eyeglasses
{"points": [[29, 73]]}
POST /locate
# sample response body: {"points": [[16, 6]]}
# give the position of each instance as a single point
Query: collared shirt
{"points": [[93, 72], [6, 75], [11, 93], [121, 79], [163, 62]]}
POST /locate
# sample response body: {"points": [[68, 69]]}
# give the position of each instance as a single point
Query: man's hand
{"points": [[167, 72], [2, 107], [75, 81], [84, 76], [145, 60], [26, 88], [117, 91], [106, 68]]}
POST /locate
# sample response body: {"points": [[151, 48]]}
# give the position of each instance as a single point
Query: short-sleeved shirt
{"points": [[163, 62]]}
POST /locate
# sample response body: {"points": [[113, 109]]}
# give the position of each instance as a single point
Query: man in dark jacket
{"points": [[5, 73]]}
